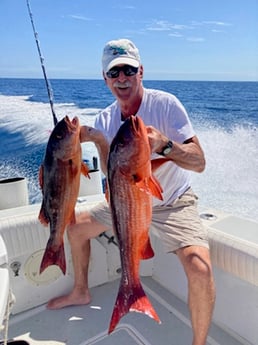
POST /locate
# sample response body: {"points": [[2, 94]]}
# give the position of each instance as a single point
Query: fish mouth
{"points": [[72, 124], [135, 123]]}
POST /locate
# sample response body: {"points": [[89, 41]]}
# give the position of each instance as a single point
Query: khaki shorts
{"points": [[178, 224]]}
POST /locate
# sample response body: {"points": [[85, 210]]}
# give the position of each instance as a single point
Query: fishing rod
{"points": [[49, 89]]}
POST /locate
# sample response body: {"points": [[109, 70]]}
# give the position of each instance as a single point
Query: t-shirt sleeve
{"points": [[165, 112], [181, 128]]}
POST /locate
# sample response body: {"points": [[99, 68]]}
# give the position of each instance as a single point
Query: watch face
{"points": [[167, 150]]}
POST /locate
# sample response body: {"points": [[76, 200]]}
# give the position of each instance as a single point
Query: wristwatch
{"points": [[166, 149]]}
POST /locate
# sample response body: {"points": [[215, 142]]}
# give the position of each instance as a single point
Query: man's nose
{"points": [[121, 76]]}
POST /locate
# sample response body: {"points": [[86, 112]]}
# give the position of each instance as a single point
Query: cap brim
{"points": [[122, 61]]}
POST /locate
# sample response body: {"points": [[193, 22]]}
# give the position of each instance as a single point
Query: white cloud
{"points": [[210, 22], [163, 25], [195, 39], [175, 34], [217, 23], [180, 30], [125, 7], [77, 17], [128, 7], [158, 29], [215, 30]]}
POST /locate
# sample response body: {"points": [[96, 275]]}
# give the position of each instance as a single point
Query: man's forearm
{"points": [[103, 150]]}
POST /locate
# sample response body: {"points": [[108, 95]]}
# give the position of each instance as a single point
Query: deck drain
{"points": [[208, 216]]}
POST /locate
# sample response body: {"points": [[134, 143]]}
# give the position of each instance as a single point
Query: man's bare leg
{"points": [[201, 290], [79, 237]]}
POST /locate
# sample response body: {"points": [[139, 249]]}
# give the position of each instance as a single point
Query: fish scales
{"points": [[59, 178], [131, 186], [134, 217]]}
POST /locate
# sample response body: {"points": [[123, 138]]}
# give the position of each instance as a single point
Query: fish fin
{"points": [[107, 193], [41, 176], [141, 184], [42, 216], [131, 298], [147, 252], [85, 170], [73, 218], [156, 163], [155, 187], [54, 255], [149, 186]]}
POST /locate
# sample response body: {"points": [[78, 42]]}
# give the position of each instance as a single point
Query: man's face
{"points": [[124, 81]]}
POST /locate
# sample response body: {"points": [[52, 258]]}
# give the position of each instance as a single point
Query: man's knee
{"points": [[79, 229], [86, 228], [196, 262]]}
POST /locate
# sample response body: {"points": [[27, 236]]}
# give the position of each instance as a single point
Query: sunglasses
{"points": [[127, 70]]}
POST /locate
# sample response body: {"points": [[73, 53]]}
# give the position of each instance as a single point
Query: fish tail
{"points": [[43, 218], [54, 255], [85, 170], [131, 299]]}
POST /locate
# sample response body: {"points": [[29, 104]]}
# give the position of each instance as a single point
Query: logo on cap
{"points": [[118, 50]]}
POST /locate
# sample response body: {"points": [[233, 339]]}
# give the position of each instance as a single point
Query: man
{"points": [[176, 217]]}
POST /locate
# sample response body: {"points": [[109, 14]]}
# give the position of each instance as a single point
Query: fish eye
{"points": [[136, 178]]}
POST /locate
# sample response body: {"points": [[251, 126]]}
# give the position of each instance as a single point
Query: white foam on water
{"points": [[34, 119], [229, 182]]}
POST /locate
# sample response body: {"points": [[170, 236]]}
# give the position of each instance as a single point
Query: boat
{"points": [[24, 318]]}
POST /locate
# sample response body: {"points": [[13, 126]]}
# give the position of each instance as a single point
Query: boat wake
{"points": [[229, 182]]}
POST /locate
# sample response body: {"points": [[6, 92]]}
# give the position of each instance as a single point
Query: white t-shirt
{"points": [[165, 112]]}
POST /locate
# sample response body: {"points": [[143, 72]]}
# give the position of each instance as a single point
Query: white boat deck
{"points": [[86, 325], [234, 250]]}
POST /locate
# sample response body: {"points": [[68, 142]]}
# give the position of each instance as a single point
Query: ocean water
{"points": [[224, 115]]}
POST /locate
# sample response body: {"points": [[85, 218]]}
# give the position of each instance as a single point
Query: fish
{"points": [[131, 186], [59, 180]]}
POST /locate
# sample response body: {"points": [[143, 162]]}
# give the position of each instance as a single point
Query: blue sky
{"points": [[177, 39]]}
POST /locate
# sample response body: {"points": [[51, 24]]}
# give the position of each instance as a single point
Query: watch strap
{"points": [[166, 149]]}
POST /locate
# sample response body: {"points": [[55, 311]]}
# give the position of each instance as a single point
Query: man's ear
{"points": [[104, 76], [141, 71]]}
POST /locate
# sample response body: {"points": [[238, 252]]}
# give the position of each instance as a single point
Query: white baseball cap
{"points": [[121, 51]]}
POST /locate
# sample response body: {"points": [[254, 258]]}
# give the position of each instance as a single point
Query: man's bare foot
{"points": [[72, 299]]}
